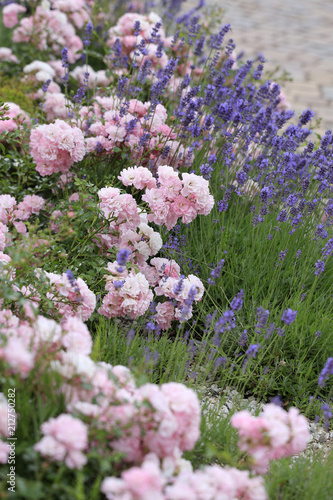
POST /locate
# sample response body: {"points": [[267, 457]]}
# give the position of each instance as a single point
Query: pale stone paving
{"points": [[295, 35]]}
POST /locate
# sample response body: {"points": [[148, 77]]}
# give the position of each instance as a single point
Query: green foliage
{"points": [[15, 90]]}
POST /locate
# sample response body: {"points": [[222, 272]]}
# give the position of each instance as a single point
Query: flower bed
{"points": [[160, 210]]}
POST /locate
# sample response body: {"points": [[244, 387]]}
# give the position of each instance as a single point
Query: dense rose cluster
{"points": [[273, 435], [65, 438], [135, 33], [42, 72], [10, 13], [16, 117], [7, 55], [14, 213], [137, 420], [76, 10], [119, 208], [151, 425], [23, 339], [146, 134], [164, 420], [56, 147], [182, 292], [54, 106], [49, 29], [128, 226], [128, 293], [153, 480], [171, 197]]}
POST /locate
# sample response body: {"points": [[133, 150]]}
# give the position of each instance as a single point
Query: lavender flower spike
{"points": [[122, 258], [326, 372], [288, 316]]}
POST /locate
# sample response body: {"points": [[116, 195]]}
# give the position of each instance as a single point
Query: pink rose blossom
{"points": [[64, 436], [7, 55], [56, 147], [10, 13]]}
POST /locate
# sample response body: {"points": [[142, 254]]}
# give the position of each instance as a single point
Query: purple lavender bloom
{"points": [[216, 272], [188, 302], [141, 48], [122, 258], [288, 316], [320, 232], [217, 40], [282, 217], [46, 85], [230, 47], [277, 400], [225, 322], [154, 36], [137, 28], [144, 70], [252, 350], [130, 126], [150, 326], [144, 139], [159, 50], [199, 45], [123, 109], [221, 361], [326, 372], [206, 171], [175, 39], [306, 116], [121, 86], [320, 267], [256, 220], [179, 286], [118, 284], [81, 92], [241, 177], [318, 334], [257, 74], [65, 64], [237, 302], [88, 34], [282, 255], [222, 206], [150, 357], [64, 55], [70, 277], [328, 248], [262, 317], [298, 254]]}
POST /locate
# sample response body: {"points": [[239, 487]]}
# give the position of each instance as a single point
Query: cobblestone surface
{"points": [[295, 35]]}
